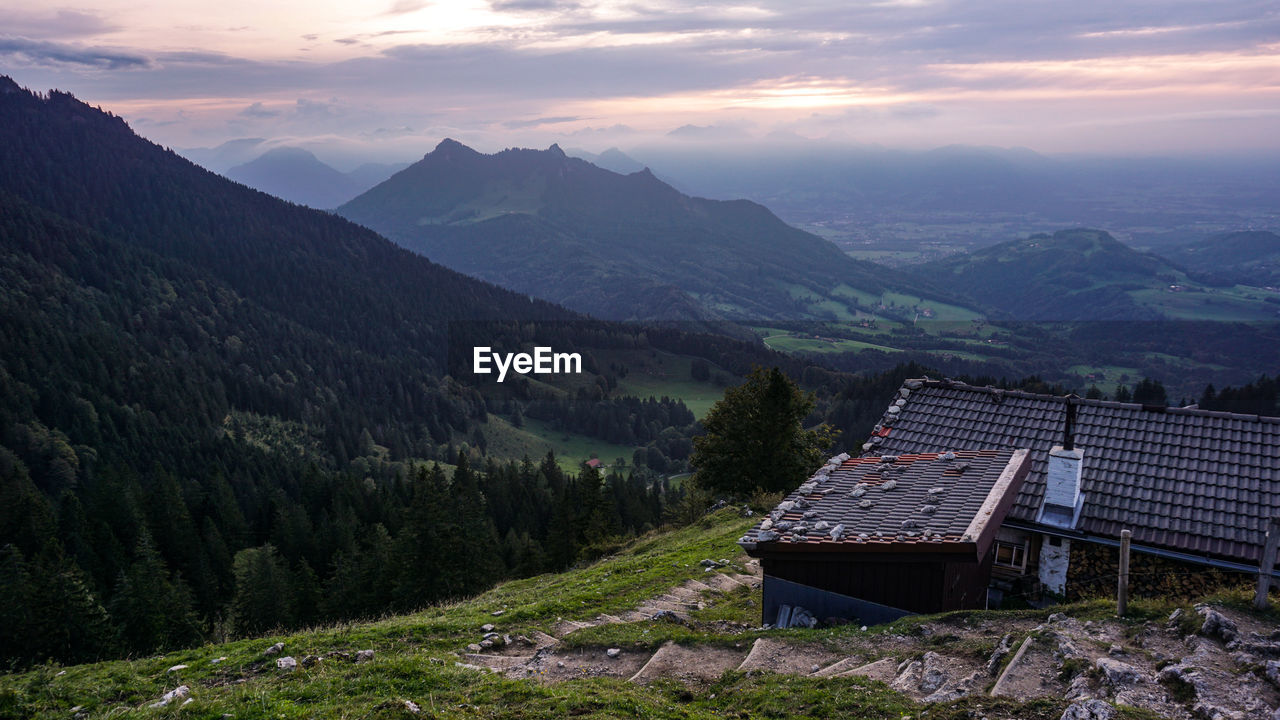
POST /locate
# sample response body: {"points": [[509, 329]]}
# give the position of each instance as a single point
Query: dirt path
{"points": [[1228, 669]]}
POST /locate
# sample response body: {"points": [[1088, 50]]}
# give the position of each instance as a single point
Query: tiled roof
{"points": [[925, 502], [1184, 479]]}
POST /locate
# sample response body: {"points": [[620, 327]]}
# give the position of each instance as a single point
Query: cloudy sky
{"points": [[388, 78]]}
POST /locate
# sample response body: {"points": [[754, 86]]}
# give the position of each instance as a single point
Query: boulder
{"points": [[908, 678], [176, 668], [1118, 674], [1080, 688], [412, 707], [1089, 710], [933, 673], [1217, 625], [177, 693], [667, 616], [364, 656], [287, 663], [613, 652], [487, 628], [274, 649], [1273, 672], [967, 685]]}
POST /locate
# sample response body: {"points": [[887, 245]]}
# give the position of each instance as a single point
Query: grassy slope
{"points": [[537, 437], [414, 653], [654, 374], [415, 658]]}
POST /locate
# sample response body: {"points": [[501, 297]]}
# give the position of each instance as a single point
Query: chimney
{"points": [[1062, 496]]}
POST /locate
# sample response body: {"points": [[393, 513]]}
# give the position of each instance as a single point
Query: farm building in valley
{"points": [[1196, 488]]}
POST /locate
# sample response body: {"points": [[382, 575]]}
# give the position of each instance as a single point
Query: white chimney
{"points": [[1062, 498]]}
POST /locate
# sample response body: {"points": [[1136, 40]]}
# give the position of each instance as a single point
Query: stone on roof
{"points": [[1179, 478], [907, 499]]}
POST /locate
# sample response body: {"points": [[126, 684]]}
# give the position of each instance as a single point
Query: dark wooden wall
{"points": [[921, 583]]}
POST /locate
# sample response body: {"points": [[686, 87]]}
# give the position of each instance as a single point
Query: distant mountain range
{"points": [[298, 176], [612, 159], [615, 246], [1087, 275], [969, 193], [1246, 258]]}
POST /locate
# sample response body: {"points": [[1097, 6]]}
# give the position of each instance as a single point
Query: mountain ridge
{"points": [[1085, 274], [298, 176], [1249, 257], [600, 242]]}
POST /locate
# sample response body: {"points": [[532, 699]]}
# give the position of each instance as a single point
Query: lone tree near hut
{"points": [[756, 439]]}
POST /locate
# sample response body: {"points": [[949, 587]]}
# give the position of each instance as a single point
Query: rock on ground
{"points": [[175, 694], [1217, 625], [1118, 674]]}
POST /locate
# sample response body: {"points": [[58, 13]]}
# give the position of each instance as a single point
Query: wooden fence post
{"points": [[1267, 563], [1122, 592]]}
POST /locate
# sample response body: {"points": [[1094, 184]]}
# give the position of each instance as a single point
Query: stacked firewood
{"points": [[1094, 569]]}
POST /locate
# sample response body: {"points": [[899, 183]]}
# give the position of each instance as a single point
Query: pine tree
{"points": [[1150, 392], [263, 599], [306, 594], [15, 605], [755, 437], [66, 621], [595, 516], [564, 530], [470, 551], [151, 610], [419, 545]]}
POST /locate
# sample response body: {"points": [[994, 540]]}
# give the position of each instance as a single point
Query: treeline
{"points": [[1261, 397], [135, 563], [623, 420]]}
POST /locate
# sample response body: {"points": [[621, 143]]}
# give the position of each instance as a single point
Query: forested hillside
{"points": [[1086, 274], [215, 409], [1250, 257]]}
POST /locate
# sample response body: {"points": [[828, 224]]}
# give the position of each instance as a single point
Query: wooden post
{"points": [[1122, 592], [1267, 563]]}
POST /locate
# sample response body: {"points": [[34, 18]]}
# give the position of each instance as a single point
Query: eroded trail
{"points": [[1213, 663]]}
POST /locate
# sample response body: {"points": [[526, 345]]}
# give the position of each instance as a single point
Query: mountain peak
{"points": [[8, 86], [555, 150], [450, 149], [286, 151]]}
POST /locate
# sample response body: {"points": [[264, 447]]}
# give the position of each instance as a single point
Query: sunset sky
{"points": [[387, 79]]}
